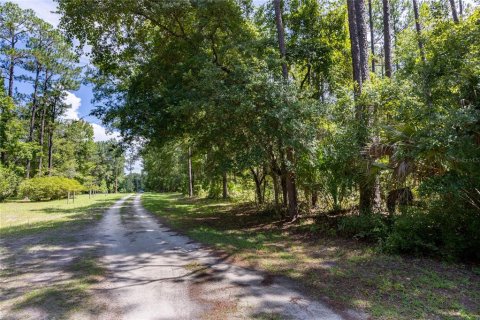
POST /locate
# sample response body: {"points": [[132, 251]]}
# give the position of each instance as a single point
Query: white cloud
{"points": [[75, 103], [101, 134], [44, 9]]}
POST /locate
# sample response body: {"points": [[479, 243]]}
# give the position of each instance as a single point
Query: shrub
{"points": [[448, 223], [8, 183], [432, 232], [437, 232], [372, 227], [48, 188], [414, 232]]}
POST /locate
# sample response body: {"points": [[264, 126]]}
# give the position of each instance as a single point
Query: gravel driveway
{"points": [[151, 272]]}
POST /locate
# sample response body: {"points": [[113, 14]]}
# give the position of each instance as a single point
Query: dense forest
{"points": [[39, 68], [366, 112]]}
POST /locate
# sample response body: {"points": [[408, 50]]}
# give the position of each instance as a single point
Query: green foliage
{"points": [[12, 147], [166, 169], [335, 164], [414, 232], [76, 158], [48, 188], [8, 183], [371, 227], [133, 182], [205, 77], [437, 232], [108, 162]]}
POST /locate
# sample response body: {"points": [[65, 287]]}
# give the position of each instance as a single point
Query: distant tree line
{"points": [[39, 66]]}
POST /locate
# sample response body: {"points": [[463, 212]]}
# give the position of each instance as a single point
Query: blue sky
{"points": [[80, 99]]}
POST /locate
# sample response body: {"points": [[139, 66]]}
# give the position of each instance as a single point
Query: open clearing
{"points": [[129, 266], [24, 217], [70, 261]]}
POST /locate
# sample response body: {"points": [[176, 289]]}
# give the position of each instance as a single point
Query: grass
{"points": [[61, 299], [23, 217], [54, 229], [57, 299], [87, 267], [346, 272]]}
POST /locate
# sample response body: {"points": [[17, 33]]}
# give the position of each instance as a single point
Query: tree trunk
{"points": [[32, 117], [50, 139], [460, 3], [42, 125], [360, 15], [116, 177], [387, 50], [50, 152], [41, 139], [354, 47], [11, 68], [372, 36], [10, 78], [454, 11], [258, 179], [225, 186], [291, 187], [275, 190], [281, 37], [265, 184], [290, 174], [275, 172], [258, 191], [359, 49], [395, 32], [418, 27], [387, 38], [314, 198], [367, 192], [190, 176], [283, 183], [378, 194]]}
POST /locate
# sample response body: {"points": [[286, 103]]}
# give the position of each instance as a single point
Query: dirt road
{"points": [[155, 273]]}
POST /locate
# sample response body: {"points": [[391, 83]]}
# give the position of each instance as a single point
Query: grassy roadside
{"points": [[22, 218], [348, 273], [72, 296], [53, 270]]}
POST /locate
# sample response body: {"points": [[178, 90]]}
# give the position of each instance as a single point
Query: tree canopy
{"points": [[366, 107]]}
